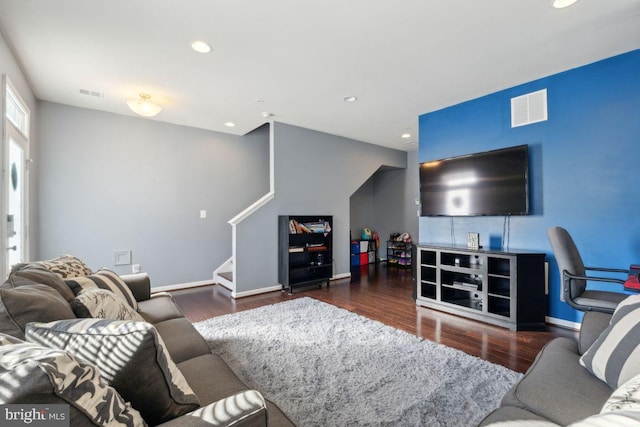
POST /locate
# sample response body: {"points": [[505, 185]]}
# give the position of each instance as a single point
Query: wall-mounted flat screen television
{"points": [[488, 183]]}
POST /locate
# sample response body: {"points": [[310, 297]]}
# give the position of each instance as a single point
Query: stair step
{"points": [[227, 275]]}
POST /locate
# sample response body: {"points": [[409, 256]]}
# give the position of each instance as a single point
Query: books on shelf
{"points": [[296, 227], [311, 247], [316, 247]]}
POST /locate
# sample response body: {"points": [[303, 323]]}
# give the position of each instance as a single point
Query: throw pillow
{"points": [[30, 373], [30, 303], [103, 304], [8, 339], [143, 372], [66, 266], [33, 272], [624, 398], [615, 356], [104, 279]]}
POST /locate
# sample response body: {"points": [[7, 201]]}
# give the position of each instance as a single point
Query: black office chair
{"points": [[574, 277]]}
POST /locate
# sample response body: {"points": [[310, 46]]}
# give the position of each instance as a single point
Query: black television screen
{"points": [[489, 183]]}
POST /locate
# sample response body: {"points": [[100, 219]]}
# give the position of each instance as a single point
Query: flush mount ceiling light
{"points": [[561, 4], [200, 46], [230, 124], [350, 98], [406, 135], [143, 106]]}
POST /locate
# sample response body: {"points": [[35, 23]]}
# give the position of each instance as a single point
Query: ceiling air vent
{"points": [[92, 93], [529, 108]]}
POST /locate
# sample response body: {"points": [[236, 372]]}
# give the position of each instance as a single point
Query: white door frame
{"points": [[10, 131]]}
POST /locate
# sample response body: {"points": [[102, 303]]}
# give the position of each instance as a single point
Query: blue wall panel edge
{"points": [[583, 165]]}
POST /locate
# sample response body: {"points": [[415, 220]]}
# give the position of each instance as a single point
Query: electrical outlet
{"points": [[135, 268]]}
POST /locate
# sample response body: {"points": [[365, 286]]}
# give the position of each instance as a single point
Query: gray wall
{"points": [[112, 182], [10, 67], [361, 208], [386, 203], [315, 174]]}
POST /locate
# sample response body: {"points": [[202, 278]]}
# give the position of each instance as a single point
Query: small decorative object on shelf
{"points": [[305, 255], [399, 248], [473, 240]]}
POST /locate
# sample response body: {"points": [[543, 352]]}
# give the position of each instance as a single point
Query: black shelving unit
{"points": [[305, 254], [505, 288], [399, 254], [364, 252]]}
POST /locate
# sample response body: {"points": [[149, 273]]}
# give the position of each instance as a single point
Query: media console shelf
{"points": [[504, 288]]}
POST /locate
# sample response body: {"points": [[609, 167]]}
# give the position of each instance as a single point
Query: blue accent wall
{"points": [[584, 165]]}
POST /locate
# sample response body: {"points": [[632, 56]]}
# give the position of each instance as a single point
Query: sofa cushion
{"points": [[592, 325], [55, 376], [29, 303], [615, 356], [66, 266], [103, 279], [210, 388], [506, 415], [556, 376], [182, 339], [30, 273], [104, 304], [159, 307], [142, 372]]}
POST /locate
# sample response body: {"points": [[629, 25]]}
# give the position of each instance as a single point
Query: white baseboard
{"points": [[256, 291], [563, 323], [278, 287], [180, 286]]}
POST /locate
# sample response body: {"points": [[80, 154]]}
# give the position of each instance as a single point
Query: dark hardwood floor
{"points": [[384, 294]]}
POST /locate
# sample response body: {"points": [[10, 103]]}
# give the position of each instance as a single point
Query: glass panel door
{"points": [[15, 191]]}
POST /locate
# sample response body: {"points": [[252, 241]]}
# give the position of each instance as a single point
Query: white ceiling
{"points": [[297, 59]]}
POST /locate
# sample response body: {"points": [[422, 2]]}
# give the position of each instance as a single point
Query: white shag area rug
{"points": [[326, 366]]}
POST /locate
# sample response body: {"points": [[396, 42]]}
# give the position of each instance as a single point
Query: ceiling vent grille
{"points": [[529, 108], [92, 93]]}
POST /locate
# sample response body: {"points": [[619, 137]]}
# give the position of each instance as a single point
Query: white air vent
{"points": [[92, 93], [529, 108]]}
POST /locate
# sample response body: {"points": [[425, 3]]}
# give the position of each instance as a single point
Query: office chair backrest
{"points": [[568, 259]]}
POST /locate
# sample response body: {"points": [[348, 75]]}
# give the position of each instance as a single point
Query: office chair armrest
{"points": [[608, 270], [593, 278]]}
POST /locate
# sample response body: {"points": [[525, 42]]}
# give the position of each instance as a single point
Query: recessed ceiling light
{"points": [[200, 46], [230, 124], [267, 114], [350, 98], [560, 4], [406, 135]]}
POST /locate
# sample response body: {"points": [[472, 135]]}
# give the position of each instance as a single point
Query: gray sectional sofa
{"points": [[35, 293], [558, 390]]}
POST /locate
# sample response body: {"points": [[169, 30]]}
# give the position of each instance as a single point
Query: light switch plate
{"points": [[122, 257], [203, 214]]}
